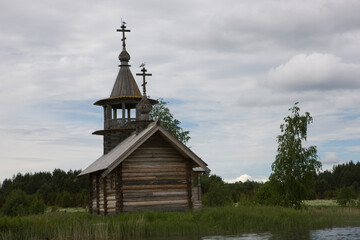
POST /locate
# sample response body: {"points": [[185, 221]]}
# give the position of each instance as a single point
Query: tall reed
{"points": [[223, 220]]}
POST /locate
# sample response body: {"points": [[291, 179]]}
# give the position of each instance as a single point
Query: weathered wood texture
{"points": [[91, 193], [118, 187], [97, 192], [114, 137], [155, 177], [196, 199], [111, 193]]}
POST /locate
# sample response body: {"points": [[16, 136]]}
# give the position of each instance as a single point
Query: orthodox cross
{"points": [[123, 30], [144, 81]]}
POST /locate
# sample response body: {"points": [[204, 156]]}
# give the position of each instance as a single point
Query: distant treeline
{"points": [[63, 189], [58, 188], [329, 183]]}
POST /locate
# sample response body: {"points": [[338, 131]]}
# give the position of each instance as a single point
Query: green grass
{"points": [[224, 220]]}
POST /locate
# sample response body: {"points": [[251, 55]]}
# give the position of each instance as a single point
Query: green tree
{"points": [[17, 204], [167, 120], [295, 166], [345, 195], [37, 206], [218, 195], [266, 194]]}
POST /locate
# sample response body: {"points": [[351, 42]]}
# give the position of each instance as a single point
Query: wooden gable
{"points": [[157, 177]]}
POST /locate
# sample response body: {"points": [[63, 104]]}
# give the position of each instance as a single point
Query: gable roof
{"points": [[112, 159]]}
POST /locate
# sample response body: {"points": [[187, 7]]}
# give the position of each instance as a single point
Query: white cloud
{"points": [[329, 161], [244, 178], [210, 56], [315, 71]]}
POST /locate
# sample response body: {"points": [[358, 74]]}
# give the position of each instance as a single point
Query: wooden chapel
{"points": [[144, 167]]}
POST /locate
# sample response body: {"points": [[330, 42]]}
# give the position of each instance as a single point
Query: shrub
{"points": [[37, 206], [345, 195], [218, 195], [17, 204], [267, 195]]}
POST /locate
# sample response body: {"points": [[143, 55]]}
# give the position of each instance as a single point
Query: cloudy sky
{"points": [[230, 71]]}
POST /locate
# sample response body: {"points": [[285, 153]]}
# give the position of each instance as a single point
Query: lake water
{"points": [[344, 233]]}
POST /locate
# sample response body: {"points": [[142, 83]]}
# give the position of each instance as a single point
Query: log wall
{"points": [[113, 138], [155, 177]]}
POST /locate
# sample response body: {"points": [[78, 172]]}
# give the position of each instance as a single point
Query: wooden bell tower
{"points": [[121, 110]]}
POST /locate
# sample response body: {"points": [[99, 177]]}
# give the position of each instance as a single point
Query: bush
{"points": [[37, 206], [64, 199], [218, 195], [17, 204], [267, 195], [345, 195]]}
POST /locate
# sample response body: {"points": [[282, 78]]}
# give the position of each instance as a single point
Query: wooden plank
{"points": [[111, 206], [152, 194], [153, 164], [90, 193], [152, 203], [155, 198], [105, 195], [111, 198], [155, 157], [154, 170], [189, 185], [121, 189], [118, 188], [155, 190], [111, 202], [125, 174], [98, 192], [154, 186], [158, 182], [151, 178]]}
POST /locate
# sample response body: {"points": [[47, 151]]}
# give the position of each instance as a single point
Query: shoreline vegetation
{"points": [[73, 224]]}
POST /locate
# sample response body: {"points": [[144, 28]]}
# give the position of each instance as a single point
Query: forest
{"points": [[62, 189]]}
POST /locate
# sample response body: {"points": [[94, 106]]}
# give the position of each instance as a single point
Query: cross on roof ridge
{"points": [[144, 74]]}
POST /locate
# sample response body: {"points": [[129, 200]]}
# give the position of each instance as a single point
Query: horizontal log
{"points": [[159, 182], [154, 170], [154, 190], [144, 149], [154, 186], [154, 164], [149, 159], [142, 174], [154, 203], [151, 194], [155, 198], [111, 211], [111, 202], [152, 177], [111, 198], [109, 206]]}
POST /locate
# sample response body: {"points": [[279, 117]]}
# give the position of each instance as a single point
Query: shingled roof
{"points": [[111, 160], [125, 85]]}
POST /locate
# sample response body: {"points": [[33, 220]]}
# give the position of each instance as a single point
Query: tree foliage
{"points": [[295, 166], [216, 191], [162, 112], [342, 175], [49, 188]]}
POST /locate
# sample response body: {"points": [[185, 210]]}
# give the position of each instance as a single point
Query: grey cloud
{"points": [[315, 71]]}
